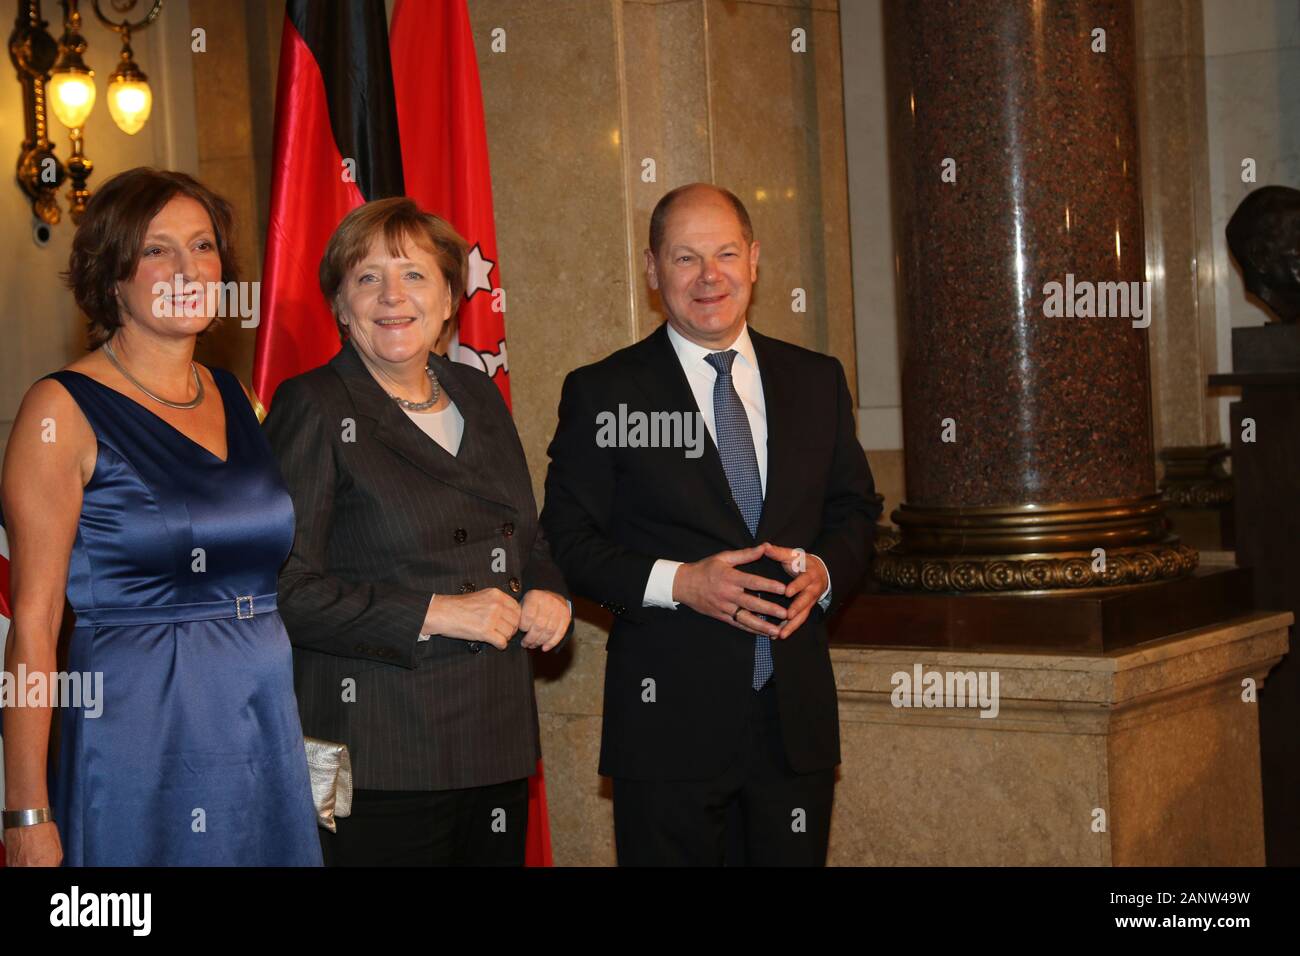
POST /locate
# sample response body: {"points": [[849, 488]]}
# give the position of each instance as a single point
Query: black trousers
{"points": [[477, 826], [758, 813]]}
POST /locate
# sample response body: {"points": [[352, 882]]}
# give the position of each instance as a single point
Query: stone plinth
{"points": [[1157, 737]]}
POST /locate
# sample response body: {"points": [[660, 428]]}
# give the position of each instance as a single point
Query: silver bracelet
{"points": [[26, 818]]}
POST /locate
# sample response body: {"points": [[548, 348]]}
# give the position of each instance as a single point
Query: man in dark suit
{"points": [[720, 563]]}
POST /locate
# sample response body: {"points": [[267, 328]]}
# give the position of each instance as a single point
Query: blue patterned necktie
{"points": [[736, 446]]}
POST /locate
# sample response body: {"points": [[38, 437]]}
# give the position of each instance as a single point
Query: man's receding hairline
{"points": [[708, 188], [674, 197]]}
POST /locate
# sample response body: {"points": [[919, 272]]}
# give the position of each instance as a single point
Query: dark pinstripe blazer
{"points": [[386, 518]]}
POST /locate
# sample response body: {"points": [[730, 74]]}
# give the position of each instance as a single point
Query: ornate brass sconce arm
{"points": [[32, 51]]}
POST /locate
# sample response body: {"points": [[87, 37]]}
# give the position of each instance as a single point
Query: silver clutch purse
{"points": [[330, 768]]}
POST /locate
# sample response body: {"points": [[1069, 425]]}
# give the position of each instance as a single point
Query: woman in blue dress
{"points": [[139, 481]]}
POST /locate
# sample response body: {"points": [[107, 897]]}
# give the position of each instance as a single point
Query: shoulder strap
{"points": [[84, 391]]}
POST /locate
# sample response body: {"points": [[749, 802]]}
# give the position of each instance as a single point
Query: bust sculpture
{"points": [[1264, 237]]}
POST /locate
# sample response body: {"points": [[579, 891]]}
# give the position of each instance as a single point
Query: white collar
{"points": [[688, 353]]}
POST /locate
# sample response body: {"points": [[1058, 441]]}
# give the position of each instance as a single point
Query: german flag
{"points": [[336, 147]]}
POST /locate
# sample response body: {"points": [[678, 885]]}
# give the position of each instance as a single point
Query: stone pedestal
{"points": [[1143, 757], [1157, 737]]}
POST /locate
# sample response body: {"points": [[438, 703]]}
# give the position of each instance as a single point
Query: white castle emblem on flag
{"points": [[490, 362]]}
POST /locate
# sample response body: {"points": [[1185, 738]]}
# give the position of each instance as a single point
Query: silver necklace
{"points": [[421, 406], [192, 403]]}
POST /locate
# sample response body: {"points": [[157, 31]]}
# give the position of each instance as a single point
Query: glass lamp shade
{"points": [[72, 97], [129, 103]]}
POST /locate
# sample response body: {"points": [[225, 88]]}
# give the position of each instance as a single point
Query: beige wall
{"points": [[587, 91], [875, 305], [234, 97]]}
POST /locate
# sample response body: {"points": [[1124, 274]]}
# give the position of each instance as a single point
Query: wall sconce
{"points": [[129, 97], [56, 79], [33, 51], [72, 97]]}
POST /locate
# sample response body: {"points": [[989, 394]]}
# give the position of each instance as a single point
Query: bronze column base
{"points": [[1026, 549]]}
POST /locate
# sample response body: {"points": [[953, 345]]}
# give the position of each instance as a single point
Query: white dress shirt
{"points": [[701, 376]]}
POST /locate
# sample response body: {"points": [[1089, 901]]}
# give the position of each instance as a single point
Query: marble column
{"points": [[1027, 433]]}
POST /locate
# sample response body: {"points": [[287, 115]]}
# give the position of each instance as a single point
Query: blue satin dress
{"points": [[196, 755]]}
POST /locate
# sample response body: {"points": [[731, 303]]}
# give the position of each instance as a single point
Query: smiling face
{"points": [[179, 258], [704, 269], [394, 306]]}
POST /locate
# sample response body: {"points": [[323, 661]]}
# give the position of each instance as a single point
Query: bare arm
{"points": [[50, 456]]}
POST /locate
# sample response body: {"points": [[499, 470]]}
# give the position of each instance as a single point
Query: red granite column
{"points": [[1027, 435]]}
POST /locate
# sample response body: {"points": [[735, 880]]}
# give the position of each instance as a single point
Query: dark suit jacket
{"points": [[611, 512], [385, 519]]}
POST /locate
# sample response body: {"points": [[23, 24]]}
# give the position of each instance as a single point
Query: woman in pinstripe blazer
{"points": [[417, 559]]}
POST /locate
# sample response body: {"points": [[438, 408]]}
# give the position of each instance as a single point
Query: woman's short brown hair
{"points": [[106, 246], [397, 219]]}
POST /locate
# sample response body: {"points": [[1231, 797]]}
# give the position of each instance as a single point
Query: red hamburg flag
{"points": [[445, 160]]}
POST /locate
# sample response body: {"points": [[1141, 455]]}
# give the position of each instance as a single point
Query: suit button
{"points": [[515, 585], [474, 647], [508, 529], [467, 587], [460, 534]]}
